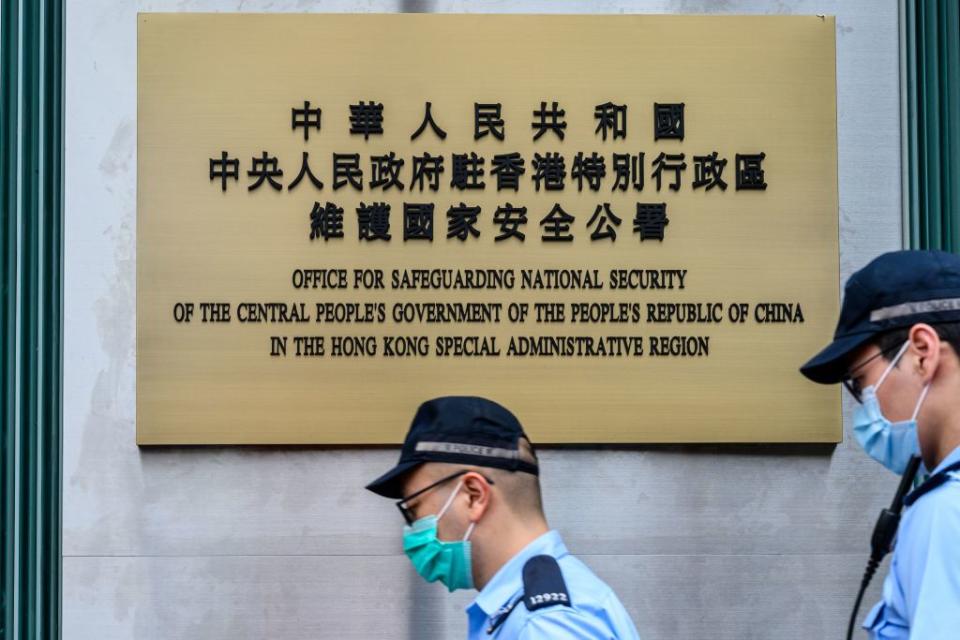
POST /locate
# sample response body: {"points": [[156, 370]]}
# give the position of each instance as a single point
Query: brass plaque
{"points": [[673, 178]]}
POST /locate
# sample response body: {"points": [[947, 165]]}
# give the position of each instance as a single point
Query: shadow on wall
{"points": [[417, 6]]}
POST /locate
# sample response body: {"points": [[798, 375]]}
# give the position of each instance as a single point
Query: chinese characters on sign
{"points": [[468, 171]]}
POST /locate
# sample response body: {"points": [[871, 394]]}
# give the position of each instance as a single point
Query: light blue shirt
{"points": [[921, 594], [595, 611]]}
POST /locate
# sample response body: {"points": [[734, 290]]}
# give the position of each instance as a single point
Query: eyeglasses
{"points": [[404, 503], [852, 384]]}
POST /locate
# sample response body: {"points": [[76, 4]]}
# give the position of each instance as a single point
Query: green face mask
{"points": [[434, 559]]}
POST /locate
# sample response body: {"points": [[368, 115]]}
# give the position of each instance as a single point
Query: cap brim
{"points": [[390, 484], [830, 365]]}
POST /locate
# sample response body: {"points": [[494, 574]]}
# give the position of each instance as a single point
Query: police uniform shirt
{"points": [[575, 603], [921, 594]]}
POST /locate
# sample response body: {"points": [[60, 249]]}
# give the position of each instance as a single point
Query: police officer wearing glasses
{"points": [[468, 488], [896, 349]]}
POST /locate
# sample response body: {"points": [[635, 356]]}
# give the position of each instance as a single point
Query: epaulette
{"points": [[543, 584]]}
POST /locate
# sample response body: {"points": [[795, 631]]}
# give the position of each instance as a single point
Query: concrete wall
{"points": [[700, 542]]}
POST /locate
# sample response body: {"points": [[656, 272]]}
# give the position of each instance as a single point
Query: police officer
{"points": [[467, 485], [896, 350]]}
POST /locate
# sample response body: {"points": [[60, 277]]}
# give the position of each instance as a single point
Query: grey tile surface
{"points": [[725, 597]]}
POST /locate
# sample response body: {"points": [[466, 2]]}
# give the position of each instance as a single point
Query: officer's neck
{"points": [[947, 440], [504, 543], [943, 435]]}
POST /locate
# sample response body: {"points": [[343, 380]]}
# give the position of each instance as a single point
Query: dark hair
{"points": [[888, 341]]}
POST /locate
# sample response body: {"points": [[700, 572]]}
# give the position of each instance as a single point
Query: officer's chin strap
{"points": [[884, 533]]}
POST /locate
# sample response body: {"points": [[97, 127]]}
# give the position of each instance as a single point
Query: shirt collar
{"points": [[509, 579], [952, 457]]}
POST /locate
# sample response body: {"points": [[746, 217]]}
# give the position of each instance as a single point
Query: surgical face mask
{"points": [[889, 443], [435, 559]]}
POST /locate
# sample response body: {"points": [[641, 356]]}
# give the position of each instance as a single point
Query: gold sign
{"points": [[623, 228]]}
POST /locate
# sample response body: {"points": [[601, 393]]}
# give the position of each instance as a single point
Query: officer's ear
{"points": [[926, 346], [478, 492]]}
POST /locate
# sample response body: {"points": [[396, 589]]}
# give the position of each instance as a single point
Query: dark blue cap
{"points": [[896, 290], [461, 430]]}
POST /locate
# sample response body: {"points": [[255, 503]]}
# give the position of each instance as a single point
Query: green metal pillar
{"points": [[930, 70], [31, 236]]}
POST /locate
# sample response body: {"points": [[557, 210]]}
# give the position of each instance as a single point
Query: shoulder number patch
{"points": [[543, 584]]}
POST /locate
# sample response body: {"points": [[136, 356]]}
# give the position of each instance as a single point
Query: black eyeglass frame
{"points": [[850, 383], [407, 512]]}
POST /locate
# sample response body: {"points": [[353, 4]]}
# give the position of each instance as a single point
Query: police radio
{"points": [[884, 533]]}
